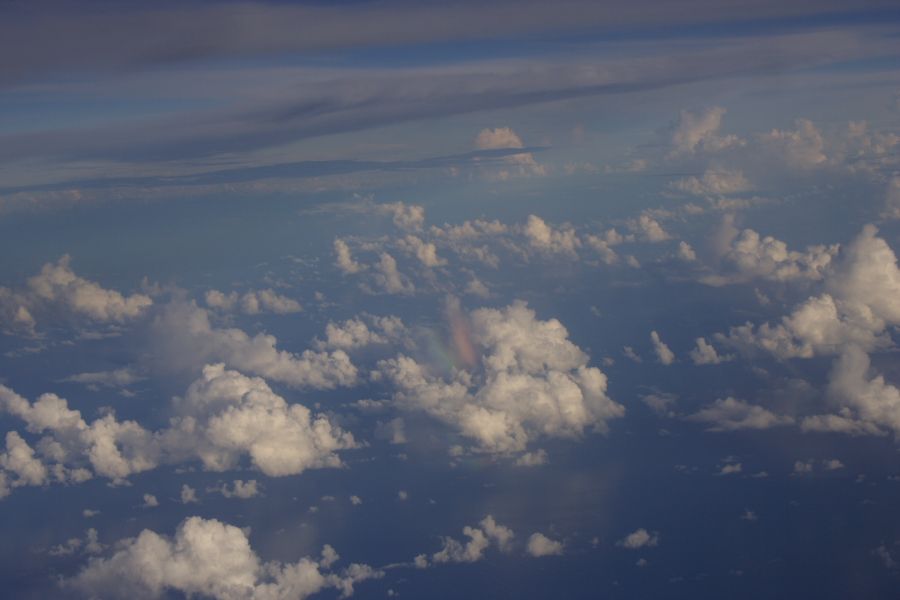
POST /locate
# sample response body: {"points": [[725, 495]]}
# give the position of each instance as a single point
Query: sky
{"points": [[506, 299]]}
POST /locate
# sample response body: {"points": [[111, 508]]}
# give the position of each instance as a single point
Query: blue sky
{"points": [[488, 300]]}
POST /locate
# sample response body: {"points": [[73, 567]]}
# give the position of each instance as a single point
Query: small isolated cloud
{"points": [[243, 490], [640, 538], [188, 495], [488, 533], [664, 355], [731, 414], [730, 469], [150, 501], [540, 545], [501, 138]]}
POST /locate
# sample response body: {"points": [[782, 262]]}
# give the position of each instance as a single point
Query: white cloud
{"points": [[208, 558], [750, 256], [551, 240], [354, 333], [344, 260], [502, 138], [640, 538], [733, 415], [57, 287], [706, 354], [426, 252], [730, 469], [487, 533], [685, 252], [115, 378], [150, 501], [185, 337], [533, 382], [540, 545], [649, 229], [663, 354], [533, 459], [252, 302], [803, 147], [188, 495], [239, 488], [697, 132], [389, 279], [409, 217], [714, 182]]}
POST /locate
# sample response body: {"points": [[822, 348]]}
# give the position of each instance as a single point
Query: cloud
{"points": [[388, 279], [663, 354], [239, 489], [188, 495], [750, 256], [532, 382], [706, 354], [426, 252], [640, 538], [344, 260], [862, 299], [802, 147], [186, 339], [488, 533], [223, 416], [115, 378], [58, 288], [696, 132], [649, 229], [354, 333], [549, 240], [714, 182], [504, 138], [540, 545], [533, 459], [150, 501], [209, 558], [730, 469], [731, 414], [252, 302]]}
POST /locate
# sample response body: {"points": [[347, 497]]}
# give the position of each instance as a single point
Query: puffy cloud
{"points": [[714, 182], [344, 259], [706, 354], [187, 338], [540, 545], [115, 378], [150, 501], [240, 489], [502, 138], [488, 533], [550, 240], [892, 200], [861, 301], [604, 243], [663, 354], [750, 256], [426, 252], [409, 217], [533, 382], [696, 132], [685, 252], [640, 538], [208, 558], [58, 287], [252, 302], [732, 415], [730, 469], [533, 459], [355, 333], [649, 229], [803, 147], [225, 414], [389, 279], [188, 495]]}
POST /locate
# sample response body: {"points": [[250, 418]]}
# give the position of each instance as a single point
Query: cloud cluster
{"points": [[488, 533], [58, 289], [223, 416], [252, 302], [532, 382], [212, 559]]}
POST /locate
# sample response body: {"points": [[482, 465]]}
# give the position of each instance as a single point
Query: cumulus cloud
{"points": [[862, 299], [409, 217], [239, 488], [640, 538], [731, 414], [355, 333], [516, 164], [532, 382], [699, 132], [344, 258], [663, 354], [58, 288], [223, 416], [186, 337], [649, 229], [252, 302], [209, 558], [389, 279], [540, 545], [533, 459], [803, 147], [551, 240], [113, 379], [488, 533], [706, 354], [714, 182], [750, 256], [426, 252]]}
